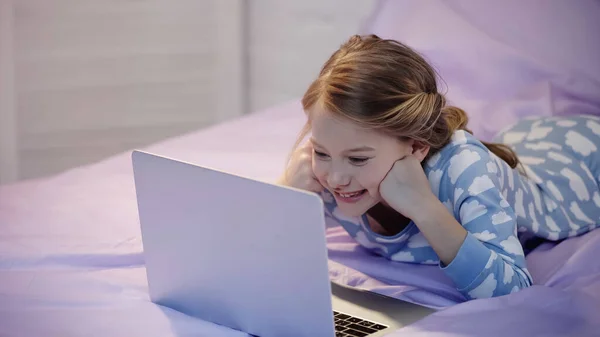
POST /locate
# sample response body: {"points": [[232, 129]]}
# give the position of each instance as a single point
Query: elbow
{"points": [[503, 291]]}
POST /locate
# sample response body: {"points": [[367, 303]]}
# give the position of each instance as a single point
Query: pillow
{"points": [[505, 60]]}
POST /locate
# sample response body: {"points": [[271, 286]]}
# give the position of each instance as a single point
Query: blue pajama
{"points": [[553, 195]]}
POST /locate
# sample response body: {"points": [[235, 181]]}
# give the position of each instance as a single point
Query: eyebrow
{"points": [[356, 149]]}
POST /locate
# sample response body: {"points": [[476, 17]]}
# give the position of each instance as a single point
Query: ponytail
{"points": [[457, 119]]}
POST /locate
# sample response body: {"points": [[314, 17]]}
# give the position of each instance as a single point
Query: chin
{"points": [[356, 210], [351, 212]]}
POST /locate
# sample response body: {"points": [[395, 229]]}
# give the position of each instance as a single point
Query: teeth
{"points": [[350, 195]]}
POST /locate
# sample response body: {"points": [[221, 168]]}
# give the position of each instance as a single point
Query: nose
{"points": [[337, 179]]}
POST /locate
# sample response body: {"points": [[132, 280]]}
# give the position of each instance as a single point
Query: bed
{"points": [[71, 259]]}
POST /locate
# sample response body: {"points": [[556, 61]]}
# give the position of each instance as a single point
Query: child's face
{"points": [[351, 161]]}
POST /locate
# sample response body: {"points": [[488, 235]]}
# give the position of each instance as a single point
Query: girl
{"points": [[399, 170]]}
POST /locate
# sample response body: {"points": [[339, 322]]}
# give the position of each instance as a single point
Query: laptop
{"points": [[248, 255]]}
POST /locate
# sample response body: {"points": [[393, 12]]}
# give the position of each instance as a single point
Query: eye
{"points": [[358, 160], [320, 154]]}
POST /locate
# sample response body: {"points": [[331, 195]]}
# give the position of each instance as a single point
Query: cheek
{"points": [[371, 177]]}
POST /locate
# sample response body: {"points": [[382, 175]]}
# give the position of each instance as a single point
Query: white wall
{"points": [[97, 77], [94, 78], [290, 40], [8, 146]]}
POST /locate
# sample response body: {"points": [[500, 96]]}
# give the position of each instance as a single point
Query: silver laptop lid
{"points": [[241, 253]]}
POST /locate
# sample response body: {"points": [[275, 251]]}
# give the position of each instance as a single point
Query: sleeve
{"points": [[490, 261]]}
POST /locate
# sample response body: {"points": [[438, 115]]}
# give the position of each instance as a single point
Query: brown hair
{"points": [[385, 85]]}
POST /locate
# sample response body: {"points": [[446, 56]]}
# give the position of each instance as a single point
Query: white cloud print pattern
{"points": [[460, 162], [480, 185], [471, 210], [486, 288], [485, 236]]}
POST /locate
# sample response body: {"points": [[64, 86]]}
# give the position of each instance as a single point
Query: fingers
{"points": [[307, 147], [406, 158], [396, 167], [301, 172], [403, 158], [315, 186]]}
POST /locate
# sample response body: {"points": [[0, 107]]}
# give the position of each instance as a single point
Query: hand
{"points": [[406, 188], [299, 173]]}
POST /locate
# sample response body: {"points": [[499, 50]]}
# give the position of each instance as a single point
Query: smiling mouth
{"points": [[350, 197]]}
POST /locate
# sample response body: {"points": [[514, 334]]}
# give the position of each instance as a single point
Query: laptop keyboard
{"points": [[349, 326]]}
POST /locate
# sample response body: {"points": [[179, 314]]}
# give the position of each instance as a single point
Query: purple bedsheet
{"points": [[564, 300]]}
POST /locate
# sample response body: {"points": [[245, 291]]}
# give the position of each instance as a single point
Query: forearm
{"points": [[441, 229], [472, 265], [480, 272]]}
